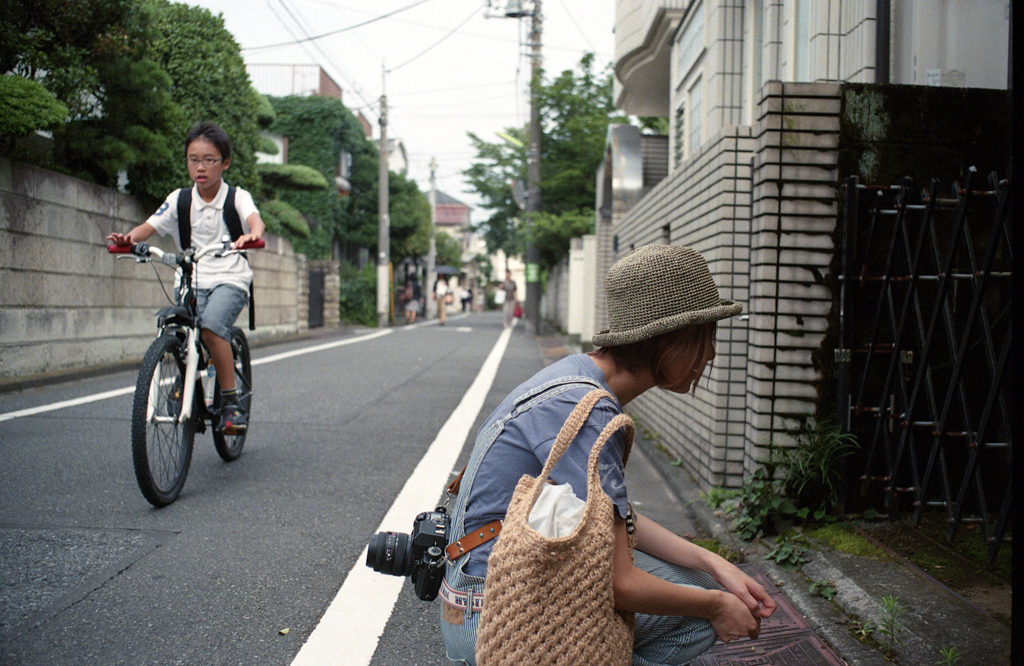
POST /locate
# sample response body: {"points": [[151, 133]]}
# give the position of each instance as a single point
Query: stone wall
{"points": [[66, 304]]}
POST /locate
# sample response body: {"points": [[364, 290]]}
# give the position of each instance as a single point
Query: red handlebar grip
{"points": [[254, 245], [119, 249]]}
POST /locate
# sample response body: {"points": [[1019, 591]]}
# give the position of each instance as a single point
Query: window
{"points": [[691, 41], [695, 118], [802, 37], [679, 136]]}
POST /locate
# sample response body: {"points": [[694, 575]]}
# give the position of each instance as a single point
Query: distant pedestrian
{"points": [[509, 307], [441, 291], [413, 297], [467, 299]]}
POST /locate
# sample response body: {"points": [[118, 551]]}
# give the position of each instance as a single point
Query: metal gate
{"points": [[316, 299], [925, 329]]}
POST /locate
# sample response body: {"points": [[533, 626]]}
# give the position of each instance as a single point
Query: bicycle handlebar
{"points": [[145, 250]]}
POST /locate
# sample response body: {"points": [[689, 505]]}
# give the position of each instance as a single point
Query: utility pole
{"points": [[533, 204], [384, 226], [432, 254]]}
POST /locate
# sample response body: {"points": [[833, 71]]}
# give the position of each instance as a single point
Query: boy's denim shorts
{"points": [[219, 308]]}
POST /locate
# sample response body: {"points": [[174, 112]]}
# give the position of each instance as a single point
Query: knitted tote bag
{"points": [[549, 601]]}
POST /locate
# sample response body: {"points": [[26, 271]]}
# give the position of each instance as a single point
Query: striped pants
{"points": [[659, 640]]}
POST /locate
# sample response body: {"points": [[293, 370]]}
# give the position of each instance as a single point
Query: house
{"points": [[770, 104]]}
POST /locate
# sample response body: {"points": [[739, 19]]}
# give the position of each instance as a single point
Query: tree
{"points": [[93, 57], [552, 234], [319, 130], [26, 106], [576, 109], [409, 214], [447, 250], [208, 82]]}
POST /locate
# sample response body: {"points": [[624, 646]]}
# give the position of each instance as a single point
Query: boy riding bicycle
{"points": [[222, 283]]}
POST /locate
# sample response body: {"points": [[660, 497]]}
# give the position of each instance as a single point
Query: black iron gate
{"points": [[316, 299], [925, 328]]}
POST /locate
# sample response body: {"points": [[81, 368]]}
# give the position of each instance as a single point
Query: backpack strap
{"points": [[185, 217], [234, 224], [231, 220]]}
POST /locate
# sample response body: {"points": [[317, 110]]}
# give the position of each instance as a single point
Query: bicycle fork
{"points": [[187, 391]]}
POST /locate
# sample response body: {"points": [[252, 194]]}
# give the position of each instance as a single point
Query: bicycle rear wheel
{"points": [[229, 447], [161, 444]]}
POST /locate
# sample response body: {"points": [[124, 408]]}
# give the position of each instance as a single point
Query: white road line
{"points": [[67, 403], [119, 392], [354, 622]]}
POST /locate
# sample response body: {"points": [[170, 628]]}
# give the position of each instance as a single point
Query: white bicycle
{"points": [[174, 395]]}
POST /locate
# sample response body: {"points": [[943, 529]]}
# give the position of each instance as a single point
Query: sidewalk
{"points": [[807, 629]]}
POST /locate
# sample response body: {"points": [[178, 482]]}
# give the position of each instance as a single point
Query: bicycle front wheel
{"points": [[161, 441], [229, 447]]}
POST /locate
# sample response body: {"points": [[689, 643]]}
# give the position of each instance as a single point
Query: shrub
{"points": [[358, 299], [26, 106]]}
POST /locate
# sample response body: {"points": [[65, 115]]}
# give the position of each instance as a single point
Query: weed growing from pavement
{"points": [[824, 589], [891, 625], [950, 656], [787, 553]]}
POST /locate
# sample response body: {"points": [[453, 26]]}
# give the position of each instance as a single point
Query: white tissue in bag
{"points": [[557, 511]]}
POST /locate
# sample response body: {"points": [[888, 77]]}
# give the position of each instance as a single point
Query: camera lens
{"points": [[390, 553]]}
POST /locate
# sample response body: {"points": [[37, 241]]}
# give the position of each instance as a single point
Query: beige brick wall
{"points": [[66, 304], [759, 203]]}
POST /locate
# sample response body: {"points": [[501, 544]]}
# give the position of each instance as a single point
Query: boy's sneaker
{"points": [[232, 419]]}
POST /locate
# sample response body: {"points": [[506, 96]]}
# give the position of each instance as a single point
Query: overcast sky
{"points": [[449, 68]]}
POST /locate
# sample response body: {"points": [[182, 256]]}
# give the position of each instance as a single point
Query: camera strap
{"points": [[474, 538]]}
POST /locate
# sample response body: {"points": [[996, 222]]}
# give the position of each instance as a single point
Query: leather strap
{"points": [[453, 487], [475, 538]]}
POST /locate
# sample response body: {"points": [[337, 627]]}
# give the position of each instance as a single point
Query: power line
{"points": [[336, 32], [450, 33]]}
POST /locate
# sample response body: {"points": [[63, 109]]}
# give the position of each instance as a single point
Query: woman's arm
{"points": [[642, 592], [655, 540]]}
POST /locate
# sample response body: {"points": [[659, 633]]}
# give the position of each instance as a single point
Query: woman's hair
{"points": [[212, 133], [657, 354]]}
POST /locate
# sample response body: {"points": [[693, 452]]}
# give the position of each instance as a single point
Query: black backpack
{"points": [[231, 219]]}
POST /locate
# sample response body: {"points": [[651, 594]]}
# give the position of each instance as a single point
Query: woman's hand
{"points": [[745, 589], [734, 620]]}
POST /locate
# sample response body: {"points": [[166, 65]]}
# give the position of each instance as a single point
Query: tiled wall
{"points": [[759, 204]]}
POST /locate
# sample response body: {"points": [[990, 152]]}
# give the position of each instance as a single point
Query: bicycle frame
{"points": [[186, 261]]}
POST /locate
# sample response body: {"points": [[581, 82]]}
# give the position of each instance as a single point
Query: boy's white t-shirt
{"points": [[208, 227]]}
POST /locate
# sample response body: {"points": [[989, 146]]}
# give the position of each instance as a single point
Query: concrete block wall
{"points": [[66, 304], [793, 216], [704, 205]]}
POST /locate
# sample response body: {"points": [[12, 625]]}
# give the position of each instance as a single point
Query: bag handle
{"points": [[568, 433]]}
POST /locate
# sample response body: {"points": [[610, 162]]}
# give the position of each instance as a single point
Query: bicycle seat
{"points": [[175, 314]]}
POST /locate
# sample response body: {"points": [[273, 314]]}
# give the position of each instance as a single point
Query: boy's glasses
{"points": [[205, 161]]}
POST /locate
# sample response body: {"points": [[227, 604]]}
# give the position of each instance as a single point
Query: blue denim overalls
{"points": [[460, 639]]}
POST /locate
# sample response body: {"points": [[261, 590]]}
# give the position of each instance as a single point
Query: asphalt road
{"points": [[90, 573]]}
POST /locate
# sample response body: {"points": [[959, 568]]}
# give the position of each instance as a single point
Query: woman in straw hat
{"points": [[663, 306]]}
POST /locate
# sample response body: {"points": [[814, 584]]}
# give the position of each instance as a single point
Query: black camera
{"points": [[420, 554]]}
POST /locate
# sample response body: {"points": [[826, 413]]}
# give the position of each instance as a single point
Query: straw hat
{"points": [[660, 288]]}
